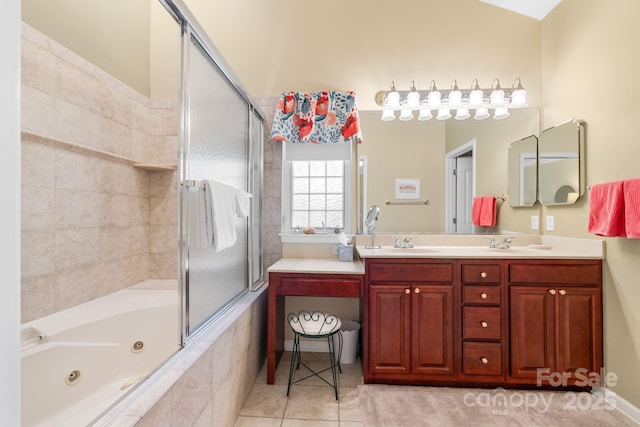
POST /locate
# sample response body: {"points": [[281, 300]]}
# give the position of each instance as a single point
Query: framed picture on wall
{"points": [[407, 188]]}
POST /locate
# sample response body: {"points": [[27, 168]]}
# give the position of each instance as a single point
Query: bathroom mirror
{"points": [[418, 150], [523, 172], [561, 163]]}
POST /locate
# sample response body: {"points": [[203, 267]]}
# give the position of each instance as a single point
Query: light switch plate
{"points": [[551, 224], [535, 222]]}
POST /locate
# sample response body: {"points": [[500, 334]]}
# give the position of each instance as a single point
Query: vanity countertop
{"points": [[541, 247], [316, 265]]}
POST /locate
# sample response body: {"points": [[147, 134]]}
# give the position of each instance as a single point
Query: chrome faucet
{"points": [[504, 244], [406, 243]]}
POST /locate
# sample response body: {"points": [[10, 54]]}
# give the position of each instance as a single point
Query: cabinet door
{"points": [[389, 329], [432, 330], [578, 330], [532, 321]]}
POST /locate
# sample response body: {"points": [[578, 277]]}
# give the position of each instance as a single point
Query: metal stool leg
{"points": [[295, 360], [332, 360]]}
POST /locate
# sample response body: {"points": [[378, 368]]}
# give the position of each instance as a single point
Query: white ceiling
{"points": [[537, 9]]}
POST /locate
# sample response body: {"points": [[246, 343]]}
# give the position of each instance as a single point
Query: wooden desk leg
{"points": [[275, 333]]}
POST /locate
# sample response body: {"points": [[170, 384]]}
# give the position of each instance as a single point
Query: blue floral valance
{"points": [[317, 118]]}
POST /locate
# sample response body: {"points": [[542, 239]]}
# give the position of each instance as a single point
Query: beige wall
{"points": [[587, 57], [92, 223], [355, 46], [114, 35]]}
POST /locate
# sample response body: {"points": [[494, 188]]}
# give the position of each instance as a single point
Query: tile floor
{"points": [[311, 402]]}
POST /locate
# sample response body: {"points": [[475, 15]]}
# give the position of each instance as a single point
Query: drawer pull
{"points": [[416, 290], [407, 291], [484, 360], [484, 324], [552, 291], [484, 295], [562, 292], [483, 274]]}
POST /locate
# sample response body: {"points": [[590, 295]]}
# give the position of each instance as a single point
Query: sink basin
{"points": [[416, 250]]}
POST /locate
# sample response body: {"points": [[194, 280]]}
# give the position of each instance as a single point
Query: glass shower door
{"points": [[216, 149]]}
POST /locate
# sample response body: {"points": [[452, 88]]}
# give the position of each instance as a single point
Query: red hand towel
{"points": [[483, 211], [606, 210], [631, 190]]}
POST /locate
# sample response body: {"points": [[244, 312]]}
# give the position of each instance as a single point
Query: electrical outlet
{"points": [[535, 222], [551, 224]]}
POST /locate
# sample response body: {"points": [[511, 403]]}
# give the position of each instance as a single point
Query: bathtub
{"points": [[79, 362]]}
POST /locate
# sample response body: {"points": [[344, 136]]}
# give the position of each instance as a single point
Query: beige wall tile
{"points": [[163, 210], [74, 124], [37, 208], [76, 247], [37, 67], [37, 296], [163, 184], [37, 111], [192, 393], [75, 171], [80, 209], [163, 265]]}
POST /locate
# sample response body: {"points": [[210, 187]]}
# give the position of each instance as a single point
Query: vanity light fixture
{"points": [[444, 101]]}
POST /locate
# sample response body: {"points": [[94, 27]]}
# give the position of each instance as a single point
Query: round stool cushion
{"points": [[315, 323]]}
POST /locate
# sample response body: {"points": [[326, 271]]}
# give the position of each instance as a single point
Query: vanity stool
{"points": [[316, 325]]}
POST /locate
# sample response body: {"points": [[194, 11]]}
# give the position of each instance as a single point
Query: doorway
{"points": [[460, 185]]}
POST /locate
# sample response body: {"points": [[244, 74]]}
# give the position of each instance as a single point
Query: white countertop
{"points": [[541, 247], [316, 265]]}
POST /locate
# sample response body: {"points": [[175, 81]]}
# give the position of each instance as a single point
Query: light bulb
{"points": [[388, 115], [443, 114], [406, 115], [501, 113], [481, 113], [462, 114], [425, 114]]}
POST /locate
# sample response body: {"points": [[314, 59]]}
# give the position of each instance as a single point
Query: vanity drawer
{"points": [[481, 323], [482, 358], [476, 294], [560, 273], [481, 273], [437, 272]]}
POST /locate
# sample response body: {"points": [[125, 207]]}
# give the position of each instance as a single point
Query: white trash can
{"points": [[350, 331]]}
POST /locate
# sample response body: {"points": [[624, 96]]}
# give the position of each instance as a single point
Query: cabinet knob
{"points": [[484, 324], [552, 291], [484, 295], [407, 291], [483, 274], [562, 292], [416, 290], [484, 360]]}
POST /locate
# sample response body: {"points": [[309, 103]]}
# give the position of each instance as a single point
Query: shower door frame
{"points": [[191, 29]]}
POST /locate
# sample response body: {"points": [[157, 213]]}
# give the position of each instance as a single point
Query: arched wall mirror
{"points": [[523, 172], [561, 163]]}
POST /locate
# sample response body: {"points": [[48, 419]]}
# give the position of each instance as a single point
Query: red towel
{"points": [[606, 210], [483, 211], [631, 189]]}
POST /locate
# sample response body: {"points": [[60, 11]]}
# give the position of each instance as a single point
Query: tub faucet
{"points": [[407, 243]]}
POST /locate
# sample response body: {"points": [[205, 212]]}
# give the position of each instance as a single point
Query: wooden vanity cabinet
{"points": [[556, 322], [483, 316], [410, 320], [482, 322]]}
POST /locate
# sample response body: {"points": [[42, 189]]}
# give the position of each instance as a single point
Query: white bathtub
{"points": [[77, 363]]}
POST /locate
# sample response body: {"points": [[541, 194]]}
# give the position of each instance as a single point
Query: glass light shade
{"points": [[519, 98], [455, 98], [443, 114], [462, 114], [501, 113], [406, 115], [388, 115], [425, 114], [413, 99], [481, 113], [392, 100], [434, 99], [475, 98], [497, 97]]}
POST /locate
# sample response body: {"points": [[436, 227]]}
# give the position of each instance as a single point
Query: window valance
{"points": [[317, 118]]}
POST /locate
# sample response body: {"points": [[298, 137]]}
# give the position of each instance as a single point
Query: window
{"points": [[316, 193]]}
